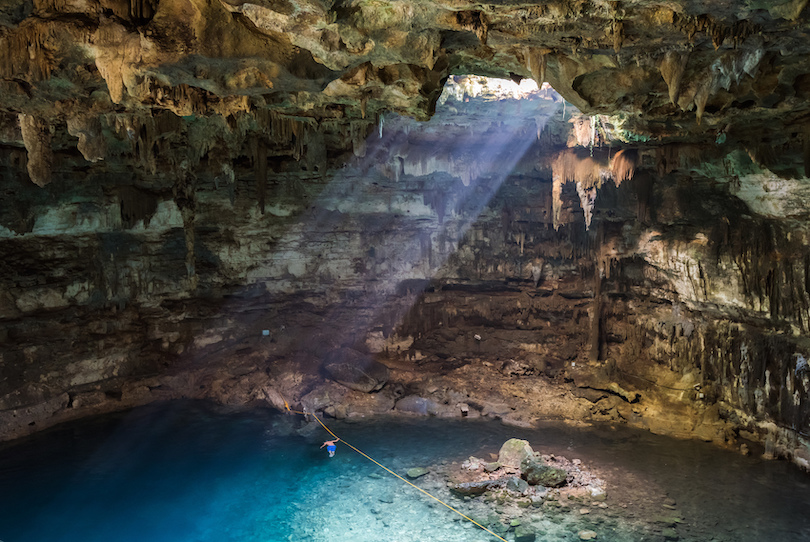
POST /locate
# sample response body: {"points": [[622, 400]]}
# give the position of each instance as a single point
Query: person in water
{"points": [[330, 446]]}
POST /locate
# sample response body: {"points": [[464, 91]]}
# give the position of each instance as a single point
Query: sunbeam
{"points": [[407, 239]]}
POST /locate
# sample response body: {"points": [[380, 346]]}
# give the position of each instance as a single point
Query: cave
{"points": [[580, 222]]}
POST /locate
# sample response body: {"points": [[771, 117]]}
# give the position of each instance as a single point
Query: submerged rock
{"points": [[670, 534], [538, 473], [416, 472], [524, 533], [356, 370], [587, 535]]}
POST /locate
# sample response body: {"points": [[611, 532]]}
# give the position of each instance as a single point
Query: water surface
{"points": [[188, 471]]}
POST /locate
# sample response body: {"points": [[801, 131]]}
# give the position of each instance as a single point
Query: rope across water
{"points": [[392, 472]]}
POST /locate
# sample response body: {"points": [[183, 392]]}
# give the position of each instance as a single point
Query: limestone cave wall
{"points": [[668, 298], [204, 199]]}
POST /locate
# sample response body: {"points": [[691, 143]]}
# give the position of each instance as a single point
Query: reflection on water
{"points": [[188, 471]]}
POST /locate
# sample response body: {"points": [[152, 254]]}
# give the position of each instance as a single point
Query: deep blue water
{"points": [[190, 471]]}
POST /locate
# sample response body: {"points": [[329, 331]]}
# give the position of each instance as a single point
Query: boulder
{"points": [[537, 473], [355, 370], [514, 451], [418, 405]]}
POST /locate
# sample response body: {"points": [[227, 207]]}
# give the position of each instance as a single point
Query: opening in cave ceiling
{"points": [[414, 189]]}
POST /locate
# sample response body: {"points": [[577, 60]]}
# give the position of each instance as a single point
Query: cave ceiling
{"points": [[93, 73]]}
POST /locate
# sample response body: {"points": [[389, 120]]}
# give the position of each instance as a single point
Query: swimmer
{"points": [[330, 446]]}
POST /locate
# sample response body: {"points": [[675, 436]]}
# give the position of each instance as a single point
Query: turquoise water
{"points": [[194, 472]]}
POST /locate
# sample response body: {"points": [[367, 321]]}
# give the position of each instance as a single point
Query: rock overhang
{"points": [[675, 72]]}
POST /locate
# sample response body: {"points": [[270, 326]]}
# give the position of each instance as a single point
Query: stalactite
{"points": [[718, 31], [437, 200], [142, 11], [91, 143], [674, 156], [136, 205], [37, 139], [536, 63], [582, 130], [363, 105], [623, 166], [672, 68], [145, 145], [116, 50], [588, 173], [358, 134], [287, 130], [704, 91], [474, 21]]}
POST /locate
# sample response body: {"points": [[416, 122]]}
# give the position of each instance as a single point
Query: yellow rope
{"points": [[392, 472]]}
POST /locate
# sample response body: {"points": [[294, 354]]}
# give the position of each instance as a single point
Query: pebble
{"points": [[584, 511], [586, 535]]}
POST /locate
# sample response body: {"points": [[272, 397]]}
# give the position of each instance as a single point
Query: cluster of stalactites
{"points": [[727, 70], [145, 134], [286, 130], [588, 173], [24, 53]]}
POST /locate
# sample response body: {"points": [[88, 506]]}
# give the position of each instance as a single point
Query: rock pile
{"points": [[518, 469], [521, 490]]}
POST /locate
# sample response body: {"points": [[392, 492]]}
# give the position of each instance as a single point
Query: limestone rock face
{"points": [[355, 370]]}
